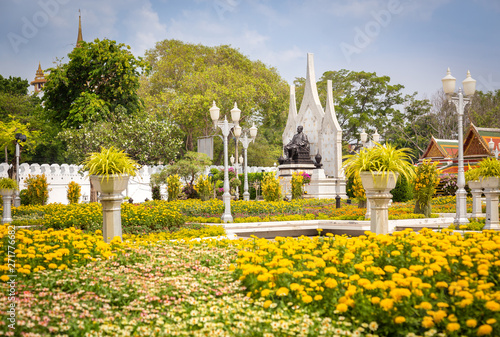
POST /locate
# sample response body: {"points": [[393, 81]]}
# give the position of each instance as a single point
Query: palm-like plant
{"points": [[8, 184], [489, 167], [383, 159], [110, 161]]}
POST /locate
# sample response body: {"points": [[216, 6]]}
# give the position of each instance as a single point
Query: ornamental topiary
{"points": [[37, 191]]}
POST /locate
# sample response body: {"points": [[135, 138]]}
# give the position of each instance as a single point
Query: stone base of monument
{"points": [[322, 187]]}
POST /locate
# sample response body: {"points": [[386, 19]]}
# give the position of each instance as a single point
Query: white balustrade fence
{"points": [[59, 176]]}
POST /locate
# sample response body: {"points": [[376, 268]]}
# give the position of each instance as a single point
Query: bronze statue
{"points": [[298, 143]]}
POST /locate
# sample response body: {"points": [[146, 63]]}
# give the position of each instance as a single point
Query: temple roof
{"points": [[441, 148]]}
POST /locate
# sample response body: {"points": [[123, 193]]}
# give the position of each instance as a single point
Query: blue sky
{"points": [[412, 41]]}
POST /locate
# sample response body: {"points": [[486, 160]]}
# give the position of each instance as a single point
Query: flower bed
{"points": [[406, 284]]}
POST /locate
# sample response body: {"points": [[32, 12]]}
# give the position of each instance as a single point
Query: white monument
{"points": [[325, 138]]}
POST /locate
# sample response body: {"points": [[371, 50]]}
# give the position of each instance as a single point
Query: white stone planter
{"points": [[378, 187], [7, 202], [476, 190], [110, 190], [491, 187]]}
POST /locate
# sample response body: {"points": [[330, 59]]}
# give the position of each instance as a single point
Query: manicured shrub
{"points": [[156, 193], [403, 190]]}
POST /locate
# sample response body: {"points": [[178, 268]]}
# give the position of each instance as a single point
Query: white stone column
{"points": [[476, 191], [491, 187], [7, 202], [378, 187]]}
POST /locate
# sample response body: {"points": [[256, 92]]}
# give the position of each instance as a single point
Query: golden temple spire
{"points": [[79, 38]]}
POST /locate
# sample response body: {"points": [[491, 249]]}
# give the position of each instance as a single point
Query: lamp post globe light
{"points": [[364, 139], [469, 87], [226, 127]]}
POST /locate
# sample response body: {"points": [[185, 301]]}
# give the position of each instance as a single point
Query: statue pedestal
{"points": [[285, 172], [321, 187]]}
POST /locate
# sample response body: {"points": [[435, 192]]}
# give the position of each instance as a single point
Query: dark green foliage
{"points": [[349, 185], [403, 190], [156, 192]]}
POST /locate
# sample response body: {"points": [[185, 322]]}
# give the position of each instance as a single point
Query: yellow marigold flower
{"points": [[492, 305], [375, 300], [265, 292], [491, 321], [53, 266], [331, 283], [452, 327], [439, 315], [441, 284], [4, 278], [484, 330], [387, 304], [342, 307], [471, 323], [267, 304], [307, 299], [399, 320], [318, 298], [282, 291], [427, 322]]}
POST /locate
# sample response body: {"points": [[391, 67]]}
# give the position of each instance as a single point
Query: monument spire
{"points": [[79, 38], [40, 80]]}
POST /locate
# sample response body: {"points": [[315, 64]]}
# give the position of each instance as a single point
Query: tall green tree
{"points": [[14, 85], [186, 78], [484, 110], [99, 77]]}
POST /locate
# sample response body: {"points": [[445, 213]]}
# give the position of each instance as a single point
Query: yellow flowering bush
{"points": [[406, 282], [424, 186], [73, 192], [271, 189], [173, 186], [204, 187], [297, 185]]}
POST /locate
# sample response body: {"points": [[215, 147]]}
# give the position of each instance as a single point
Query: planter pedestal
{"points": [[7, 203], [111, 199], [378, 187], [491, 187], [476, 190]]}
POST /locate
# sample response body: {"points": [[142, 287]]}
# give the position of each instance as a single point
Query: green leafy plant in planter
{"points": [[8, 184], [384, 159], [489, 167], [110, 161]]}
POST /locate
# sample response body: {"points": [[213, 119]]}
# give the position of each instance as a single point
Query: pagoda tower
{"points": [[40, 80]]}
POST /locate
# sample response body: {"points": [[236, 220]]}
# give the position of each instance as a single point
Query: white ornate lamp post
{"points": [[494, 151], [460, 102], [19, 138], [364, 139], [226, 127], [245, 141]]}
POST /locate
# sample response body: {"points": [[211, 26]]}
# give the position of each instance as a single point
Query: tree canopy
{"points": [[186, 78], [99, 76]]}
